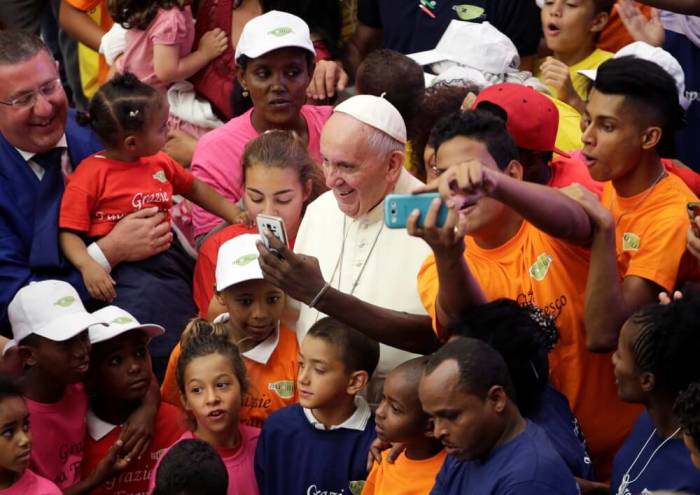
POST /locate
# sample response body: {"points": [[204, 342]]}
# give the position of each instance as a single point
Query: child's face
{"points": [[322, 375], [612, 136], [155, 133], [212, 393], [254, 307], [276, 191], [625, 368], [15, 438], [65, 362], [568, 24], [399, 417], [121, 367]]}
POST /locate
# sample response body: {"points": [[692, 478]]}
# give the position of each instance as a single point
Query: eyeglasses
{"points": [[26, 100]]}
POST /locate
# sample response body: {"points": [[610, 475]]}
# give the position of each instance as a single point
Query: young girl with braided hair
{"points": [[655, 360]]}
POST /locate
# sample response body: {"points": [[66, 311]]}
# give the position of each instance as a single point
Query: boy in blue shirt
{"points": [[320, 445], [491, 448]]}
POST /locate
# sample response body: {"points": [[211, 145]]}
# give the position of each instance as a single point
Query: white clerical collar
{"points": [[358, 420], [28, 155], [97, 428], [262, 352]]}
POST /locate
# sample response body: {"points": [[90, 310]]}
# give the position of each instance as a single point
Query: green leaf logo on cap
{"points": [[160, 176], [468, 12], [65, 301], [283, 388], [245, 259], [122, 320], [281, 31]]}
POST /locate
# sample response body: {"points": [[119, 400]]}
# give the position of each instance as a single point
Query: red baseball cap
{"points": [[533, 119]]}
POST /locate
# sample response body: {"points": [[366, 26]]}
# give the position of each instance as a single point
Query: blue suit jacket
{"points": [[28, 240]]}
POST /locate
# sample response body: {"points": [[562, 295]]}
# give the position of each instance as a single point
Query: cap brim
{"points": [[255, 53], [103, 334], [589, 73], [429, 57], [68, 326], [560, 152]]}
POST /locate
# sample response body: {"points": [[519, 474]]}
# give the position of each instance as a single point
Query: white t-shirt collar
{"points": [[262, 352], [358, 420]]}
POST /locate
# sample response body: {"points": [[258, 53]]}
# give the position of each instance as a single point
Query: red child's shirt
{"points": [[102, 191], [168, 427]]}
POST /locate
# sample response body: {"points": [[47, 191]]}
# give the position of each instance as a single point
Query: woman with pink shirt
{"points": [[275, 57]]}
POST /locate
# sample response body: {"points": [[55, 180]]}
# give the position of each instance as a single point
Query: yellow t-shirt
{"points": [[93, 68], [404, 477], [579, 82], [536, 268], [569, 131]]}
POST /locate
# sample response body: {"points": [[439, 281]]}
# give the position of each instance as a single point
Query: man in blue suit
{"points": [[40, 144]]}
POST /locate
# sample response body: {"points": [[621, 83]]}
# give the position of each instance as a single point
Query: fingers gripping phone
{"points": [[694, 211], [397, 208], [274, 225]]}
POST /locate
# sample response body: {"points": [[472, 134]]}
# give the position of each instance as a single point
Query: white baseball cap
{"points": [[376, 112], [479, 46], [271, 31], [51, 309], [237, 261], [119, 321], [659, 56]]}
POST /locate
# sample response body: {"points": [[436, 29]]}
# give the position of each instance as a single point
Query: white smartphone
{"points": [[273, 224]]}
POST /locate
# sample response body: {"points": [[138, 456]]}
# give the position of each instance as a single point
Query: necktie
{"points": [[45, 252]]}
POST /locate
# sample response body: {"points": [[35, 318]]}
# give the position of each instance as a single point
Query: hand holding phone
{"points": [[398, 207], [274, 225]]}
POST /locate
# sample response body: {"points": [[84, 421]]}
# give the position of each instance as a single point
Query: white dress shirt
{"points": [[388, 278]]}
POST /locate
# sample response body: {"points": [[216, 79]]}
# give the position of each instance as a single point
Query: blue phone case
{"points": [[397, 208]]}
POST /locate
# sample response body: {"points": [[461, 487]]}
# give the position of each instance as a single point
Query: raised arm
{"points": [[170, 67]]}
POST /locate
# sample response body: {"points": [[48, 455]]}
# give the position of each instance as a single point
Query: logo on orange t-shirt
{"points": [[283, 388], [540, 267], [631, 241]]}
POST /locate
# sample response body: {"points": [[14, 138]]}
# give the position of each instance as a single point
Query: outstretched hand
{"points": [[299, 276]]}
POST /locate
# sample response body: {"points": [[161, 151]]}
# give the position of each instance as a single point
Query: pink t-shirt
{"points": [[58, 431], [239, 462], [169, 27], [31, 484], [217, 158]]}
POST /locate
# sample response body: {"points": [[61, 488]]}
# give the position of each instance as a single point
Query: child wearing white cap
{"points": [[50, 328], [269, 349], [119, 378]]}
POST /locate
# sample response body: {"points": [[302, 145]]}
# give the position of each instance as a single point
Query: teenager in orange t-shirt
{"points": [[269, 349], [525, 242], [640, 227]]}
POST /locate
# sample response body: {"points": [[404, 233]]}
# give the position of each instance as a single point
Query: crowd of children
{"points": [[561, 317]]}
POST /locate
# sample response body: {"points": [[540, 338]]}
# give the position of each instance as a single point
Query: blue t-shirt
{"points": [[296, 458], [407, 28], [669, 469], [527, 465], [554, 416]]}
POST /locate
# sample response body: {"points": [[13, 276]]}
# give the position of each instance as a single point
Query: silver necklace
{"points": [[626, 481], [646, 195]]}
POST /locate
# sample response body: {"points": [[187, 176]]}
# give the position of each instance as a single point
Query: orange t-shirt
{"points": [[533, 267], [205, 268], [404, 477], [101, 191], [272, 385], [650, 232]]}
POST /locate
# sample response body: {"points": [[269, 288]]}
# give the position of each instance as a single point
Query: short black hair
{"points": [[481, 126], [603, 6], [687, 409], [667, 342], [357, 351], [395, 77], [523, 335], [650, 89], [480, 366], [9, 387], [191, 467], [19, 46]]}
